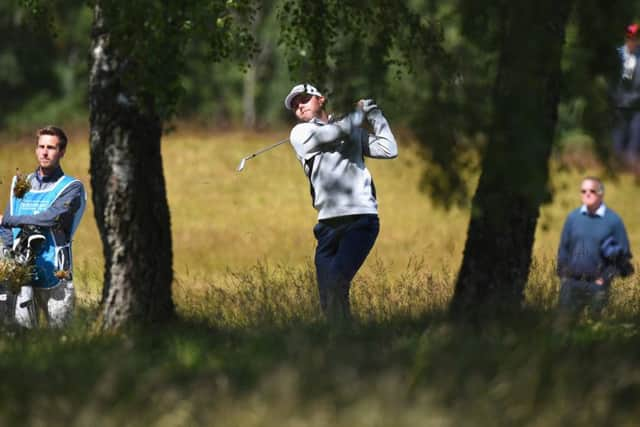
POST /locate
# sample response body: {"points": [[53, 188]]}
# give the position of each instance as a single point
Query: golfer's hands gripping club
{"points": [[364, 107], [367, 105]]}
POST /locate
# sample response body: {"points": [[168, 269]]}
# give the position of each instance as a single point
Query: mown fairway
{"points": [[251, 348]]}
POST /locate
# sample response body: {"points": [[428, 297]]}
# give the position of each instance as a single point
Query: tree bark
{"points": [[249, 96], [514, 179], [129, 193], [256, 65]]}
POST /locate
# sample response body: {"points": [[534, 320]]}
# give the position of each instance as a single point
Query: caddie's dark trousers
{"points": [[343, 245], [626, 136], [577, 294]]}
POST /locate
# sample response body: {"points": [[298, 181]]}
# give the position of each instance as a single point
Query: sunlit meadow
{"points": [[227, 225], [251, 348]]}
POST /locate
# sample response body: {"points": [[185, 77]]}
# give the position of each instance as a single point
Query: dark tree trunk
{"points": [[129, 194], [514, 179]]}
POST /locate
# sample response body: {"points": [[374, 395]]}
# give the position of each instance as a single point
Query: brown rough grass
{"points": [[232, 230]]}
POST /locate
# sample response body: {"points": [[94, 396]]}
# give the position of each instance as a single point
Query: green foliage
{"points": [[151, 38], [414, 60], [431, 65], [348, 47], [43, 66], [26, 68], [451, 114], [214, 92], [590, 67]]}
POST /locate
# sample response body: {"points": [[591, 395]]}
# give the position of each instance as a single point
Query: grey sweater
{"points": [[579, 252], [332, 155]]}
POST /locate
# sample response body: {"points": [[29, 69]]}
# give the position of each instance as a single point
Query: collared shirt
{"points": [[602, 209], [43, 180]]}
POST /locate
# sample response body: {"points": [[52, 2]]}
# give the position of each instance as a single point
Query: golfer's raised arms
{"points": [[381, 144], [313, 137], [309, 138]]}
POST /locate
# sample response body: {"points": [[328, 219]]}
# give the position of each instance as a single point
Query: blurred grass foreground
{"points": [[251, 348]]}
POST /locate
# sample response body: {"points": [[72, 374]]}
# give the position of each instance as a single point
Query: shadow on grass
{"points": [[254, 351], [404, 371]]}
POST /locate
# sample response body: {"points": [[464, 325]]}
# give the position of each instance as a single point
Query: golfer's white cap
{"points": [[297, 90]]}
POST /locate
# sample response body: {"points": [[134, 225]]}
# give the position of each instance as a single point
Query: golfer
{"points": [[342, 191]]}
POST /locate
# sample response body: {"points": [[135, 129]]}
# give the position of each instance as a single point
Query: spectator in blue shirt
{"points": [[594, 248]]}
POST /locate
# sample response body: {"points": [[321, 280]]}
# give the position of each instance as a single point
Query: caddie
{"points": [[53, 203], [332, 155]]}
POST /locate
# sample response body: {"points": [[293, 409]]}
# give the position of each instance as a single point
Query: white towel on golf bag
{"points": [[25, 314], [57, 303]]}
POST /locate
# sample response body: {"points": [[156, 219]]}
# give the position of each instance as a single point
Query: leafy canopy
{"points": [[150, 39]]}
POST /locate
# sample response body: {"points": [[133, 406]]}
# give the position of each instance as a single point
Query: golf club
{"points": [[251, 156]]}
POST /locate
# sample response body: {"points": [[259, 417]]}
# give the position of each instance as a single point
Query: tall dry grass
{"points": [[251, 349], [231, 230]]}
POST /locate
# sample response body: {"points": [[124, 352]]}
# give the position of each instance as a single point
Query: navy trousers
{"points": [[626, 136], [576, 294], [343, 245]]}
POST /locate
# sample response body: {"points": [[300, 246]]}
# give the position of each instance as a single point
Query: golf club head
{"points": [[241, 165]]}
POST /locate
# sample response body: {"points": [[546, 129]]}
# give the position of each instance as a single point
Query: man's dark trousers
{"points": [[576, 294], [343, 245], [626, 135]]}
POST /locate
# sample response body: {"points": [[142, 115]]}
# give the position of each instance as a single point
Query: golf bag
{"points": [[19, 308]]}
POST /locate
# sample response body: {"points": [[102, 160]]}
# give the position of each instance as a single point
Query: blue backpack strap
{"points": [[66, 181]]}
